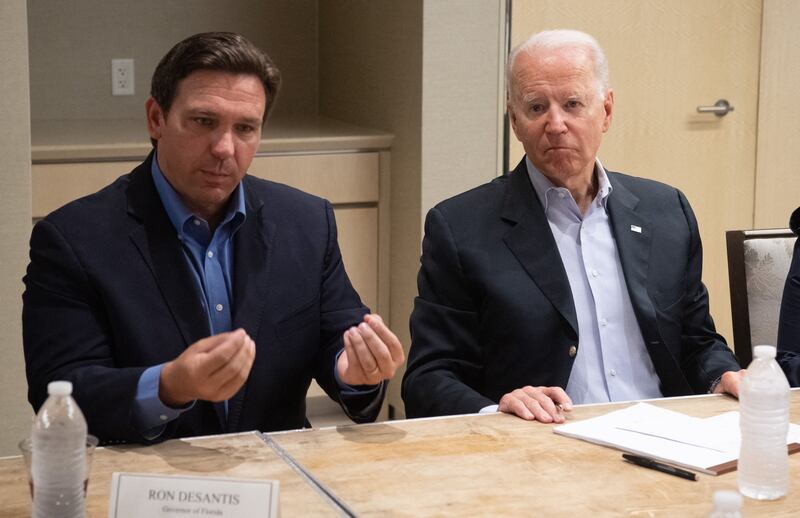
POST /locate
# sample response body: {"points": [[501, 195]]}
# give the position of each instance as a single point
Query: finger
{"points": [[225, 382], [354, 374], [221, 356], [241, 359], [211, 342], [541, 405], [388, 338], [378, 350], [365, 357], [512, 405], [560, 398]]}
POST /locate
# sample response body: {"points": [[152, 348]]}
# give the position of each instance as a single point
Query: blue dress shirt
{"points": [[210, 256]]}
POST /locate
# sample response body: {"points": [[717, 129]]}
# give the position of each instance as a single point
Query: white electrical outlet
{"points": [[122, 77]]}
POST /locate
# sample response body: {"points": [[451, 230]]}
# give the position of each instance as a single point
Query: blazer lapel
{"points": [[531, 241], [252, 255], [633, 235], [157, 242]]}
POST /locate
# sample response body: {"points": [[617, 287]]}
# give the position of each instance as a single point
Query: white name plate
{"points": [[134, 495]]}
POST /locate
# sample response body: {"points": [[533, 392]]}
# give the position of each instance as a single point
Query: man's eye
{"points": [[573, 104], [203, 121], [246, 129], [537, 108]]}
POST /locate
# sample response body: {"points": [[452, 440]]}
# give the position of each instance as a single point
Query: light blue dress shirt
{"points": [[612, 363]]}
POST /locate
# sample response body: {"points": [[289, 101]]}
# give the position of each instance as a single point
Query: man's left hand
{"points": [[730, 383], [372, 353]]}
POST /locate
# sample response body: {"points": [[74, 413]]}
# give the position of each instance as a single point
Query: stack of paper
{"points": [[709, 445]]}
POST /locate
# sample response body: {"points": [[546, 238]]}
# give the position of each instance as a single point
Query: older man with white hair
{"points": [[562, 282]]}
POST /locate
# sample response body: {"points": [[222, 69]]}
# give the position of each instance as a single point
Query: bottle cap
{"points": [[59, 388], [727, 500], [766, 352]]}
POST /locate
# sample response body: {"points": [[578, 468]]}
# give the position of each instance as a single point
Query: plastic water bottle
{"points": [[763, 470], [58, 463], [727, 504]]}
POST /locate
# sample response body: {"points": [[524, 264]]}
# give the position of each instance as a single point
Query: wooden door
{"points": [[666, 58]]}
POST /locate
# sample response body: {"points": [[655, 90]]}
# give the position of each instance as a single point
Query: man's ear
{"points": [[512, 118], [156, 118], [608, 107]]}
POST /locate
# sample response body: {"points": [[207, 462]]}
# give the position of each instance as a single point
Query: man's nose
{"points": [[222, 145], [555, 122]]}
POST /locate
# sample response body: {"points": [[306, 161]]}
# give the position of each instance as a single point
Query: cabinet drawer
{"points": [[340, 178], [55, 185]]}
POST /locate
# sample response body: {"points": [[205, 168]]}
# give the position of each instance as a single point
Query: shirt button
{"points": [[603, 322], [196, 222], [572, 351], [612, 372], [163, 417], [595, 273], [210, 254], [561, 195], [218, 307]]}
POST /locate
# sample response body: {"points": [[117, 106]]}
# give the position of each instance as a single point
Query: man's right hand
{"points": [[211, 369], [544, 404]]}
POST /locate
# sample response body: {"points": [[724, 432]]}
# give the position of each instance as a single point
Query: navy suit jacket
{"points": [[108, 293], [789, 323], [495, 309]]}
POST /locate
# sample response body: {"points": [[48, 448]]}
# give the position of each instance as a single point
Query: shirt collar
{"points": [[177, 211], [542, 185]]}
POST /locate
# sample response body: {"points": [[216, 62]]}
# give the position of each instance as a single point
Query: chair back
{"points": [[758, 262]]}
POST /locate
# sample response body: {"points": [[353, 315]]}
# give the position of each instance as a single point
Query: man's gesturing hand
{"points": [[212, 369], [372, 353], [545, 404]]}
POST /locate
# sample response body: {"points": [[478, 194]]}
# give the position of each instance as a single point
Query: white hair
{"points": [[562, 39]]}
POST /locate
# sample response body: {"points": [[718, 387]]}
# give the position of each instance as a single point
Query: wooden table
{"points": [[499, 465], [475, 465], [239, 455]]}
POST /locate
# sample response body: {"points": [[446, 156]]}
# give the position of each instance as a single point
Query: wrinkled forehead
{"points": [[546, 66]]}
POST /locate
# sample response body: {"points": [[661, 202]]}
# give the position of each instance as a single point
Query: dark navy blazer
{"points": [[109, 293], [789, 323], [495, 309]]}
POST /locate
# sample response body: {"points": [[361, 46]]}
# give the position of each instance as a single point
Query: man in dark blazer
{"points": [[188, 298], [789, 324], [561, 282]]}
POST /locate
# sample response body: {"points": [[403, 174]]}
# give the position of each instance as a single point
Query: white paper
{"points": [[666, 435], [134, 495]]}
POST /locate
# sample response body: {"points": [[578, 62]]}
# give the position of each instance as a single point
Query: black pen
{"points": [[659, 466]]}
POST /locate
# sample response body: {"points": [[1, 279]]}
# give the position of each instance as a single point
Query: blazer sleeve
{"points": [[445, 363], [789, 322], [705, 354], [341, 308], [66, 336]]}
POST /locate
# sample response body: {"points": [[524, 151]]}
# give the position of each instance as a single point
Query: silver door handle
{"points": [[720, 108]]}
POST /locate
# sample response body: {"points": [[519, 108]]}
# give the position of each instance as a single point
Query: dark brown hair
{"points": [[222, 51]]}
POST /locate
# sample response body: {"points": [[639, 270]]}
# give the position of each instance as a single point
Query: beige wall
{"points": [[15, 219], [462, 69], [72, 43], [429, 72], [370, 74], [777, 167]]}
